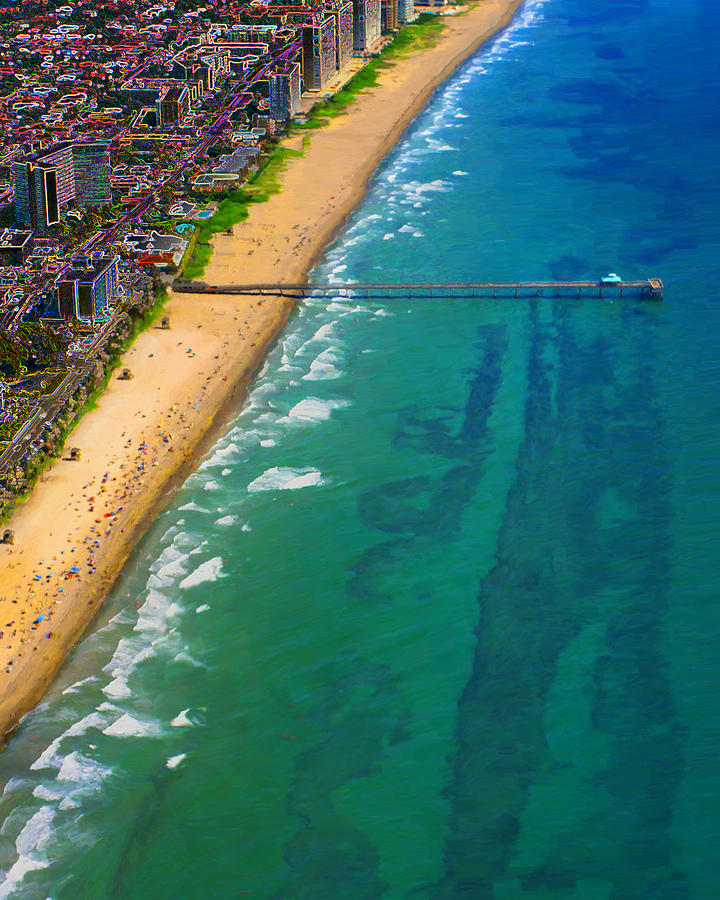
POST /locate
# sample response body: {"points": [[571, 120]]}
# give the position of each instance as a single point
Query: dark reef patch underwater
{"points": [[437, 617]]}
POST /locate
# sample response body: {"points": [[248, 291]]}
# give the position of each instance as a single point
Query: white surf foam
{"points": [[117, 689], [282, 478], [50, 757], [224, 521], [313, 409], [30, 842], [174, 568], [42, 792], [184, 540], [81, 769], [174, 761], [128, 726], [75, 688], [181, 719], [324, 366], [154, 615], [208, 571]]}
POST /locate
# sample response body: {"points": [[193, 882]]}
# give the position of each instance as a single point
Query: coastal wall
{"points": [[83, 520]]}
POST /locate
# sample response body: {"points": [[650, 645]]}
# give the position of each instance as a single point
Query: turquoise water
{"points": [[436, 618]]}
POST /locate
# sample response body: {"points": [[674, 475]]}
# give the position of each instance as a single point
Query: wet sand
{"points": [[80, 524]]}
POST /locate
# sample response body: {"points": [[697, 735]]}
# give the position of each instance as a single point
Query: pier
{"points": [[651, 289]]}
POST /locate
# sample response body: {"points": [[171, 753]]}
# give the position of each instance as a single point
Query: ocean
{"points": [[437, 616]]}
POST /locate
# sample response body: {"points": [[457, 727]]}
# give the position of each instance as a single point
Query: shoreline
{"points": [[75, 533]]}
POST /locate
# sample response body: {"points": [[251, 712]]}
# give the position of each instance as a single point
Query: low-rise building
{"points": [[15, 247], [172, 107]]}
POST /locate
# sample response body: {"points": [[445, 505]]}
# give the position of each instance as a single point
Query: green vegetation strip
{"points": [[419, 35], [37, 463], [236, 207]]}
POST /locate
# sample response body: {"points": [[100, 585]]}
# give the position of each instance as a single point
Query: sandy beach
{"points": [[77, 529]]}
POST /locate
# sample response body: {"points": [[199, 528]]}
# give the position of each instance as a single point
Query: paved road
{"points": [[50, 406]]}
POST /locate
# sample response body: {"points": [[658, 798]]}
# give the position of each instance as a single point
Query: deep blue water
{"points": [[437, 617]]}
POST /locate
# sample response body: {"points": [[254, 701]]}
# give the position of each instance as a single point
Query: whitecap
{"points": [[324, 367], [81, 769], [313, 409], [50, 757], [13, 784], [174, 568], [174, 761], [153, 615], [169, 533], [184, 656], [210, 570], [32, 838], [204, 607], [268, 442], [281, 478], [128, 726], [226, 520], [75, 687], [181, 719], [225, 452], [128, 653], [388, 236], [117, 689], [460, 172], [42, 792]]}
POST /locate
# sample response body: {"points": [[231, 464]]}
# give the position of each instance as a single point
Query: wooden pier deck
{"points": [[652, 289]]}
